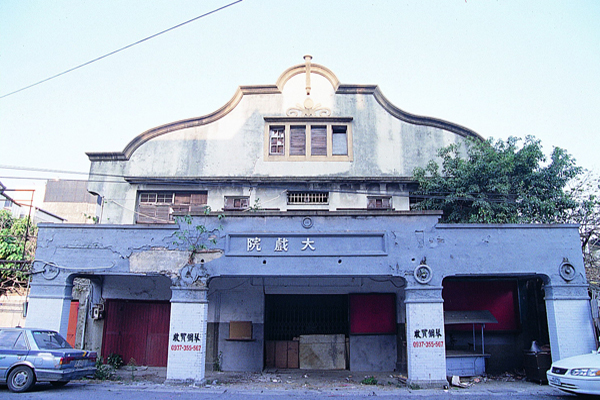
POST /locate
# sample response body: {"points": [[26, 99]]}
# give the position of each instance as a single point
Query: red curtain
{"points": [[373, 313], [499, 297]]}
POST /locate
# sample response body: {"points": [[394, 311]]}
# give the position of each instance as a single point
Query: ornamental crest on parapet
{"points": [[309, 109]]}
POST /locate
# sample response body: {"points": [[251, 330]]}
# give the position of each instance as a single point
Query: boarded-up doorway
{"points": [[322, 318], [138, 330]]}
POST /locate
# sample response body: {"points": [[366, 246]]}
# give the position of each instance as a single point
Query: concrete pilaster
{"points": [[569, 320], [187, 334], [49, 304], [425, 337]]}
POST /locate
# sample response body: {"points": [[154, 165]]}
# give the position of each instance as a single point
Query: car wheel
{"points": [[59, 383], [20, 379]]}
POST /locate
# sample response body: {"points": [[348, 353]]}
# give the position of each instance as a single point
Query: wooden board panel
{"points": [[270, 354], [281, 354], [293, 360]]}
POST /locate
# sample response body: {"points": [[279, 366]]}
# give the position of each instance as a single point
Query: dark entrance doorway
{"points": [[518, 305], [287, 317], [138, 330]]}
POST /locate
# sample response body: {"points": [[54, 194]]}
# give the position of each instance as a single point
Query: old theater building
{"points": [[308, 255]]}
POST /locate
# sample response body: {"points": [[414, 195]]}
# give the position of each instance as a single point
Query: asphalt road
{"points": [[107, 391]]}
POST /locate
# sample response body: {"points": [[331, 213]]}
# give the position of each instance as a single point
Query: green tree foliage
{"points": [[498, 182], [17, 243], [196, 238], [585, 190]]}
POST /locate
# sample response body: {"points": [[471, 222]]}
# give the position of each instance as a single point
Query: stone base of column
{"points": [[417, 384], [425, 336], [187, 382], [187, 341]]}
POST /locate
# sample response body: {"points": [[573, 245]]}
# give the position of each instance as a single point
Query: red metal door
{"points": [[138, 330]]}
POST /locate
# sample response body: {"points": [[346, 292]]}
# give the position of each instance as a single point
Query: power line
{"points": [[171, 181], [122, 48]]}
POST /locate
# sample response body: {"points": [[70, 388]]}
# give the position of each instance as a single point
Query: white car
{"points": [[579, 374]]}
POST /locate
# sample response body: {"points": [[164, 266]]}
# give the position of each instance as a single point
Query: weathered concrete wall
{"points": [[352, 254], [232, 146], [373, 353], [241, 355], [236, 299], [351, 246], [136, 287]]}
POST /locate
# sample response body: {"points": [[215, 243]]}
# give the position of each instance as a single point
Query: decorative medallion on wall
{"points": [[307, 222], [423, 274], [309, 110], [567, 271], [50, 272]]}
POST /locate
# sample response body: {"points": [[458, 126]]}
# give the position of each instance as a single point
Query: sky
{"points": [[500, 68]]}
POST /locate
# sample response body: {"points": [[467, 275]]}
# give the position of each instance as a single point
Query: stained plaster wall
{"points": [[123, 287], [450, 250], [233, 147]]}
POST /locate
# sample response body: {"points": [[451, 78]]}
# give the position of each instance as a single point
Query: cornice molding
{"points": [[420, 120], [182, 124]]}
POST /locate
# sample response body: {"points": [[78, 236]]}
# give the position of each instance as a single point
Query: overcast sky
{"points": [[500, 68]]}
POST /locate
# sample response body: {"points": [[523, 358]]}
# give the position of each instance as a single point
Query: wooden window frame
{"points": [[229, 203], [379, 202], [240, 331], [276, 123], [276, 137], [163, 211]]}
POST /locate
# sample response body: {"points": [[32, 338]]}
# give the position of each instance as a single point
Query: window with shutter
{"points": [[183, 198], [318, 140], [308, 139], [147, 214], [236, 203], [160, 207], [379, 202], [297, 140], [199, 198]]}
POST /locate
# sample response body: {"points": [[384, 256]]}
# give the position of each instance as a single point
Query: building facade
{"points": [[276, 232]]}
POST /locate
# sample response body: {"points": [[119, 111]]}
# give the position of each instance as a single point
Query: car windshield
{"points": [[48, 340]]}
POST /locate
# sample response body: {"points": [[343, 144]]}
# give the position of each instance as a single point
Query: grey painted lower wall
{"points": [[352, 254], [241, 355], [373, 352]]}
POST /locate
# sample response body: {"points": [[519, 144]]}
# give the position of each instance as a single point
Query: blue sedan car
{"points": [[40, 355]]}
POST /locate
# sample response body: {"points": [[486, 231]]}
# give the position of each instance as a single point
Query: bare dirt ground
{"points": [[282, 380]]}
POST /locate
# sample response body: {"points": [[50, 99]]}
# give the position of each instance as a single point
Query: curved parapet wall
{"points": [[286, 76]]}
